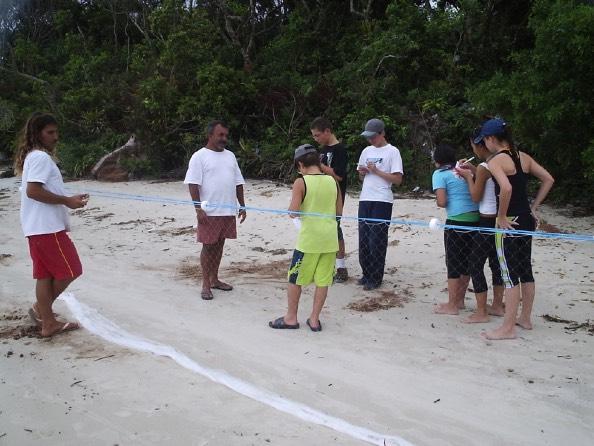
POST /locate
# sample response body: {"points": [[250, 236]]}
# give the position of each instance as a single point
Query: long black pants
{"points": [[373, 240]]}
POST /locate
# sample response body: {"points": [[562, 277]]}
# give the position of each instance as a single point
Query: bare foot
{"points": [[499, 333], [36, 312], [526, 325], [218, 285], [58, 328], [206, 294], [496, 311], [445, 309], [476, 318]]}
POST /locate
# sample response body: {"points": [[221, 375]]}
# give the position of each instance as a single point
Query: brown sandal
{"points": [[67, 326], [34, 317]]}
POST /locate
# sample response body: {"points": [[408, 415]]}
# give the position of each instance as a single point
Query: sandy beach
{"points": [[401, 371]]}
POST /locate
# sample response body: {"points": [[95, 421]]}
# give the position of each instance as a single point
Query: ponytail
{"points": [[506, 137]]}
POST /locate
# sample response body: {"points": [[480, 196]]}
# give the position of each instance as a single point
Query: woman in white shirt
{"points": [[482, 191]]}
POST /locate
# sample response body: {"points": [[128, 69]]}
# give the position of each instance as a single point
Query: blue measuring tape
{"points": [[420, 223]]}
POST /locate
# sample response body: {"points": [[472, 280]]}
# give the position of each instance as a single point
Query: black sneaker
{"points": [[341, 275], [370, 286], [361, 281]]}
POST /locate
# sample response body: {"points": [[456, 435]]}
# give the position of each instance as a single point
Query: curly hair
{"points": [[29, 138]]}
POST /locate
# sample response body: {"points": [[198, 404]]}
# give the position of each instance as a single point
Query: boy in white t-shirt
{"points": [[44, 219], [380, 166], [214, 177]]}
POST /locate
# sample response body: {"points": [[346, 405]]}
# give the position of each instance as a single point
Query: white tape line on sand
{"points": [[104, 328]]}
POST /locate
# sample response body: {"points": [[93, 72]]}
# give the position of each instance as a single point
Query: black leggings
{"points": [[484, 248]]}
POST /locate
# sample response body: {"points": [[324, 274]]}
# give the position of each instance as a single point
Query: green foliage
{"points": [[77, 156], [138, 167], [548, 96], [161, 69], [588, 161]]}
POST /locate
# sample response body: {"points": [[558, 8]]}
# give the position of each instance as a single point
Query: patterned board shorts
{"points": [[309, 268]]}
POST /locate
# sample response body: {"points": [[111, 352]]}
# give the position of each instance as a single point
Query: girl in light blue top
{"points": [[453, 194]]}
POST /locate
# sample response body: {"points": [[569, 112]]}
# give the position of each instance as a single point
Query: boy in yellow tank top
{"points": [[316, 197]]}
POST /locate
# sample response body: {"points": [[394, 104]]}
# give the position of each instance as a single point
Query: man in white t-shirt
{"points": [[380, 166], [45, 220], [216, 186]]}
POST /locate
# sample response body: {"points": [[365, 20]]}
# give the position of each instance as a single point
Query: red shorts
{"points": [[216, 229], [54, 256]]}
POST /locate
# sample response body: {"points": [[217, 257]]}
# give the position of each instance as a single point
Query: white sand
{"points": [[404, 371]]}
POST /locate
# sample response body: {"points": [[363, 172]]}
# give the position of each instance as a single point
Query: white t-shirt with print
{"points": [[387, 159], [37, 217], [218, 175]]}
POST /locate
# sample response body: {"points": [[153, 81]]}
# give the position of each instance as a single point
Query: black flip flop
{"points": [[280, 324], [318, 328]]}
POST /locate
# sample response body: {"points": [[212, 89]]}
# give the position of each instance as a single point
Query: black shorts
{"points": [[458, 248], [515, 252]]}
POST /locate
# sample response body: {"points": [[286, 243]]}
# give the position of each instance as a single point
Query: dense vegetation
{"points": [[160, 69]]}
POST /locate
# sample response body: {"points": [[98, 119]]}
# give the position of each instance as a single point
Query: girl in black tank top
{"points": [[513, 250], [518, 203]]}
